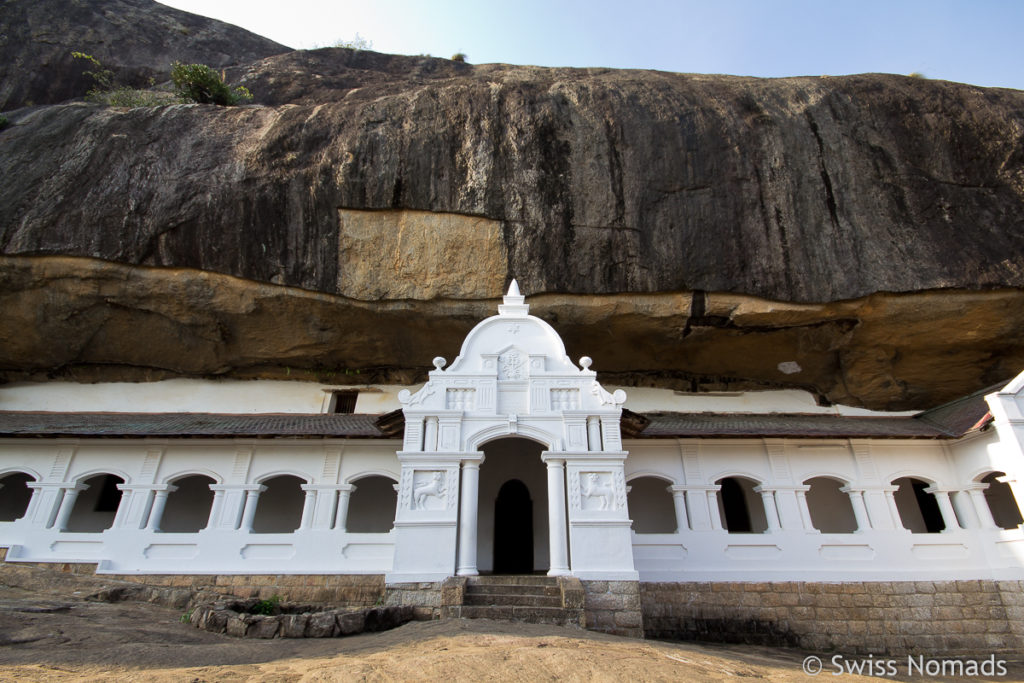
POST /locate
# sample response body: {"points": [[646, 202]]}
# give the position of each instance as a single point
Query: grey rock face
{"points": [[378, 182], [804, 189], [136, 39]]}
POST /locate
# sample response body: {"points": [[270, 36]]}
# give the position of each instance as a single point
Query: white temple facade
{"points": [[511, 459]]}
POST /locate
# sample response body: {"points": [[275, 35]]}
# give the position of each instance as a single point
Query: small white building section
{"points": [[512, 379]]}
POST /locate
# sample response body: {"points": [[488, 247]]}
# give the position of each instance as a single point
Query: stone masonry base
{"points": [[881, 618], [968, 618]]}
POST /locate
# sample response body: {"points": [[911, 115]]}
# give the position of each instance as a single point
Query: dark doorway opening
{"points": [[513, 529]]}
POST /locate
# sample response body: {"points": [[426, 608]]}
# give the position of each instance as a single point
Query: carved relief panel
{"points": [[512, 365], [429, 490], [598, 491]]}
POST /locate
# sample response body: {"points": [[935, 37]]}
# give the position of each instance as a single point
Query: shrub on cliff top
{"points": [[199, 83]]}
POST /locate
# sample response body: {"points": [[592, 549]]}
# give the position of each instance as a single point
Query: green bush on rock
{"points": [[199, 83]]}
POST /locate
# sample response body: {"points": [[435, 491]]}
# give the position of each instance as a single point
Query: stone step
{"points": [[513, 589], [534, 615], [513, 580], [514, 600]]}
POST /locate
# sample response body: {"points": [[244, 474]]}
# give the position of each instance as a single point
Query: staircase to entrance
{"points": [[534, 599]]}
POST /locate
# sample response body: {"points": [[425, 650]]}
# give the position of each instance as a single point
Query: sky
{"points": [[976, 41]]}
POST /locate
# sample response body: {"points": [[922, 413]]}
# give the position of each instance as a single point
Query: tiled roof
{"points": [[964, 414], [948, 421], [780, 425], [187, 425]]}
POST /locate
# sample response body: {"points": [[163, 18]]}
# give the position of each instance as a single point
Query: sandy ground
{"points": [[45, 636]]}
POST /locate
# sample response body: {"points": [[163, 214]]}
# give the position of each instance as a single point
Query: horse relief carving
{"points": [[429, 492], [597, 491]]}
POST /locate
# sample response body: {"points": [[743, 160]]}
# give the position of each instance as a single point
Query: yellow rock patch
{"points": [[419, 255]]}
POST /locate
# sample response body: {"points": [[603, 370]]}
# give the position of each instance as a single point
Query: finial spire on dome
{"points": [[514, 303]]}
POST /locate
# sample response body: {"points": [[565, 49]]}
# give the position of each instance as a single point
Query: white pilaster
{"points": [[67, 504], [252, 497], [308, 506], [805, 511], [981, 508], [771, 511], [468, 511], [341, 517], [679, 504], [714, 514], [946, 508], [557, 535], [156, 513], [860, 512]]}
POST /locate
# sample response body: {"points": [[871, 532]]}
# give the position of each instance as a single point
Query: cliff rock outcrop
{"points": [[860, 236]]}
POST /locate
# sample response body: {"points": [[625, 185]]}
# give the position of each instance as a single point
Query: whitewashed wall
{"points": [[792, 549], [330, 472]]}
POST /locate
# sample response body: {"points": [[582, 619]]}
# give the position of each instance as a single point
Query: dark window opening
{"points": [[737, 515], [344, 401], [110, 496], [933, 521]]}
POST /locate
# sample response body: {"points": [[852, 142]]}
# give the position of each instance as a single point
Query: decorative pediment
{"points": [[512, 369]]}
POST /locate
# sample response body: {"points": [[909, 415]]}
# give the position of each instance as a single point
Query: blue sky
{"points": [[977, 42]]}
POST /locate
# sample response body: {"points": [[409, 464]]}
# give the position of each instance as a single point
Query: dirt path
{"points": [[53, 637]]}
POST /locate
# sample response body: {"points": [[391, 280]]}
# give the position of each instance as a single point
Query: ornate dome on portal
{"points": [[514, 342]]}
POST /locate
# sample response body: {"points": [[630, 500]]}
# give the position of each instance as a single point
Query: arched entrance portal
{"points": [[512, 532], [513, 529]]}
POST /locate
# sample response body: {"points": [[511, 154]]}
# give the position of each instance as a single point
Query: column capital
{"points": [[65, 485], [697, 487], [146, 487], [327, 487], [238, 487], [869, 489], [940, 489]]}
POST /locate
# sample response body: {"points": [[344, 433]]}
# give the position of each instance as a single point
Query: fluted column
{"points": [[430, 438], [860, 511], [67, 504], [679, 503], [468, 511], [713, 511], [341, 515], [946, 508], [981, 508], [594, 433], [805, 511], [156, 513], [894, 510], [557, 536], [308, 506], [252, 497]]}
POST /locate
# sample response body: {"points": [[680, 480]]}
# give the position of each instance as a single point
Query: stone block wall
{"points": [[614, 607], [878, 617]]}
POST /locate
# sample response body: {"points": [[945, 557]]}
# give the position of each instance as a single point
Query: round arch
{"points": [[282, 473], [736, 474], [477, 440], [650, 473], [16, 495], [80, 478], [194, 472], [372, 473], [21, 470], [830, 508], [843, 479]]}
